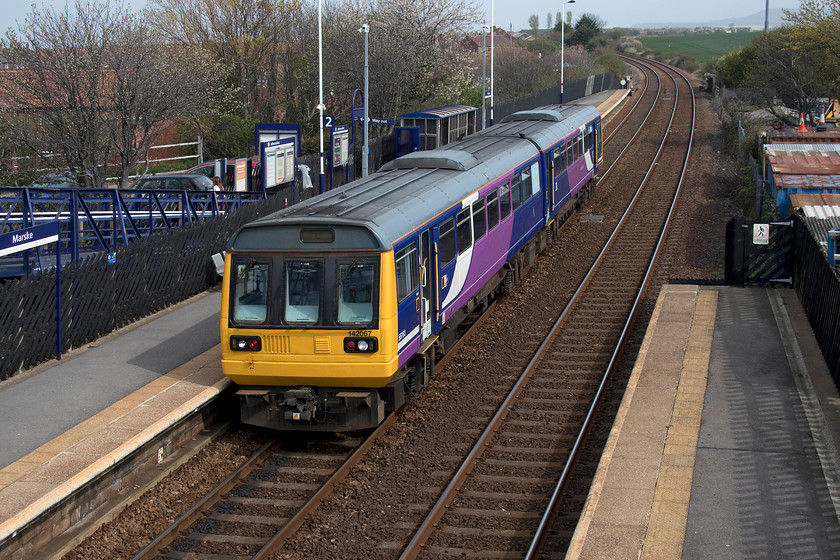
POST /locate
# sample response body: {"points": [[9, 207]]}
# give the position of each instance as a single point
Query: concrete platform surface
{"points": [[725, 445]]}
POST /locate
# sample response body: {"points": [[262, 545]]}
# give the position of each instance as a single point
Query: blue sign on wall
{"points": [[28, 238]]}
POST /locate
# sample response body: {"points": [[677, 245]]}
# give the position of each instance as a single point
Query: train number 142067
{"points": [[359, 333]]}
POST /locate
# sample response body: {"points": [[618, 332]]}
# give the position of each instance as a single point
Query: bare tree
{"points": [[414, 54], [519, 72], [94, 84], [251, 37]]}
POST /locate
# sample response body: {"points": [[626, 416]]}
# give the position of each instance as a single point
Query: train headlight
{"points": [[360, 345], [246, 343]]}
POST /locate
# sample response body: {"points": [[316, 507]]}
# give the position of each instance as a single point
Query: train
{"points": [[335, 310]]}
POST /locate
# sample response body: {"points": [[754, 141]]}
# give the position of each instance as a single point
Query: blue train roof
{"points": [[439, 112]]}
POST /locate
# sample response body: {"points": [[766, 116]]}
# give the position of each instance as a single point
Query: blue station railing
{"points": [[100, 220]]}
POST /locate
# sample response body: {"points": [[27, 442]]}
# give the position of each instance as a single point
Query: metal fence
{"points": [[818, 286], [100, 220], [100, 294], [572, 90]]}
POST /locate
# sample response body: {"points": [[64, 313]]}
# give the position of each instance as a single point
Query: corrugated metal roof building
{"points": [[820, 212], [791, 136], [801, 168]]}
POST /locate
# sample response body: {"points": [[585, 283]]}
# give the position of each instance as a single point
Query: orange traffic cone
{"points": [[802, 127], [822, 115]]}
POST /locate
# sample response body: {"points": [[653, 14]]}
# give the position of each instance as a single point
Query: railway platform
{"points": [[725, 445]]}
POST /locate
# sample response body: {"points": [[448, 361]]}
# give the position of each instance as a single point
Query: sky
{"points": [[625, 13], [515, 13]]}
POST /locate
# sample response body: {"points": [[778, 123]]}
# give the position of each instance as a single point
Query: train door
{"points": [[560, 192], [599, 156], [426, 275]]}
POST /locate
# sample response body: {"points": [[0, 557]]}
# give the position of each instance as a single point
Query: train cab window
{"points": [[492, 209], [479, 219], [407, 271], [465, 239], [535, 179], [304, 284], [504, 200], [249, 292], [355, 293], [516, 191], [446, 233]]}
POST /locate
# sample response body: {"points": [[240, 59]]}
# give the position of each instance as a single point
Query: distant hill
{"points": [[756, 21]]}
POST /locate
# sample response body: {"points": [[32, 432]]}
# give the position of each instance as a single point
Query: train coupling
{"points": [[300, 404]]}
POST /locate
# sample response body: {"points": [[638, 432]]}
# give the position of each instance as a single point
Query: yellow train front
{"points": [[309, 326]]}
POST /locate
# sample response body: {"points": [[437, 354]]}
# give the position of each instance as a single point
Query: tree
{"points": [[519, 72], [96, 85], [251, 38], [786, 70], [541, 46], [549, 20], [414, 56], [564, 19], [816, 26], [587, 27], [610, 62], [534, 24]]}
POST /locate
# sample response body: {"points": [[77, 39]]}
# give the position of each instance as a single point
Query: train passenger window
{"points": [[579, 151], [526, 184], [492, 209], [570, 153], [479, 219], [465, 239], [448, 251], [250, 284], [303, 291], [504, 200], [516, 191], [559, 160], [355, 293], [406, 269], [588, 143], [535, 178]]}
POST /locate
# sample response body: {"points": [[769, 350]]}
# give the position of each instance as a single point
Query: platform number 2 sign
{"points": [[761, 234]]}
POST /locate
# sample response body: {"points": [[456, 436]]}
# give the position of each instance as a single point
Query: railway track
{"points": [[503, 497], [523, 441]]}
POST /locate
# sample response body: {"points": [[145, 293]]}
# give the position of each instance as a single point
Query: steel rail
{"points": [[540, 535], [197, 510], [293, 524], [438, 510]]}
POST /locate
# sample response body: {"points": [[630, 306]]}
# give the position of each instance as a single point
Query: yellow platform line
{"points": [[203, 384], [669, 514]]}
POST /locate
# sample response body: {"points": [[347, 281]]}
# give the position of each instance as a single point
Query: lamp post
{"points": [[492, 35], [484, 77], [563, 45], [365, 149], [321, 107]]}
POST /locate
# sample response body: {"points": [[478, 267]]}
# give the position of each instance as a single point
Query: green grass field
{"points": [[701, 46]]}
